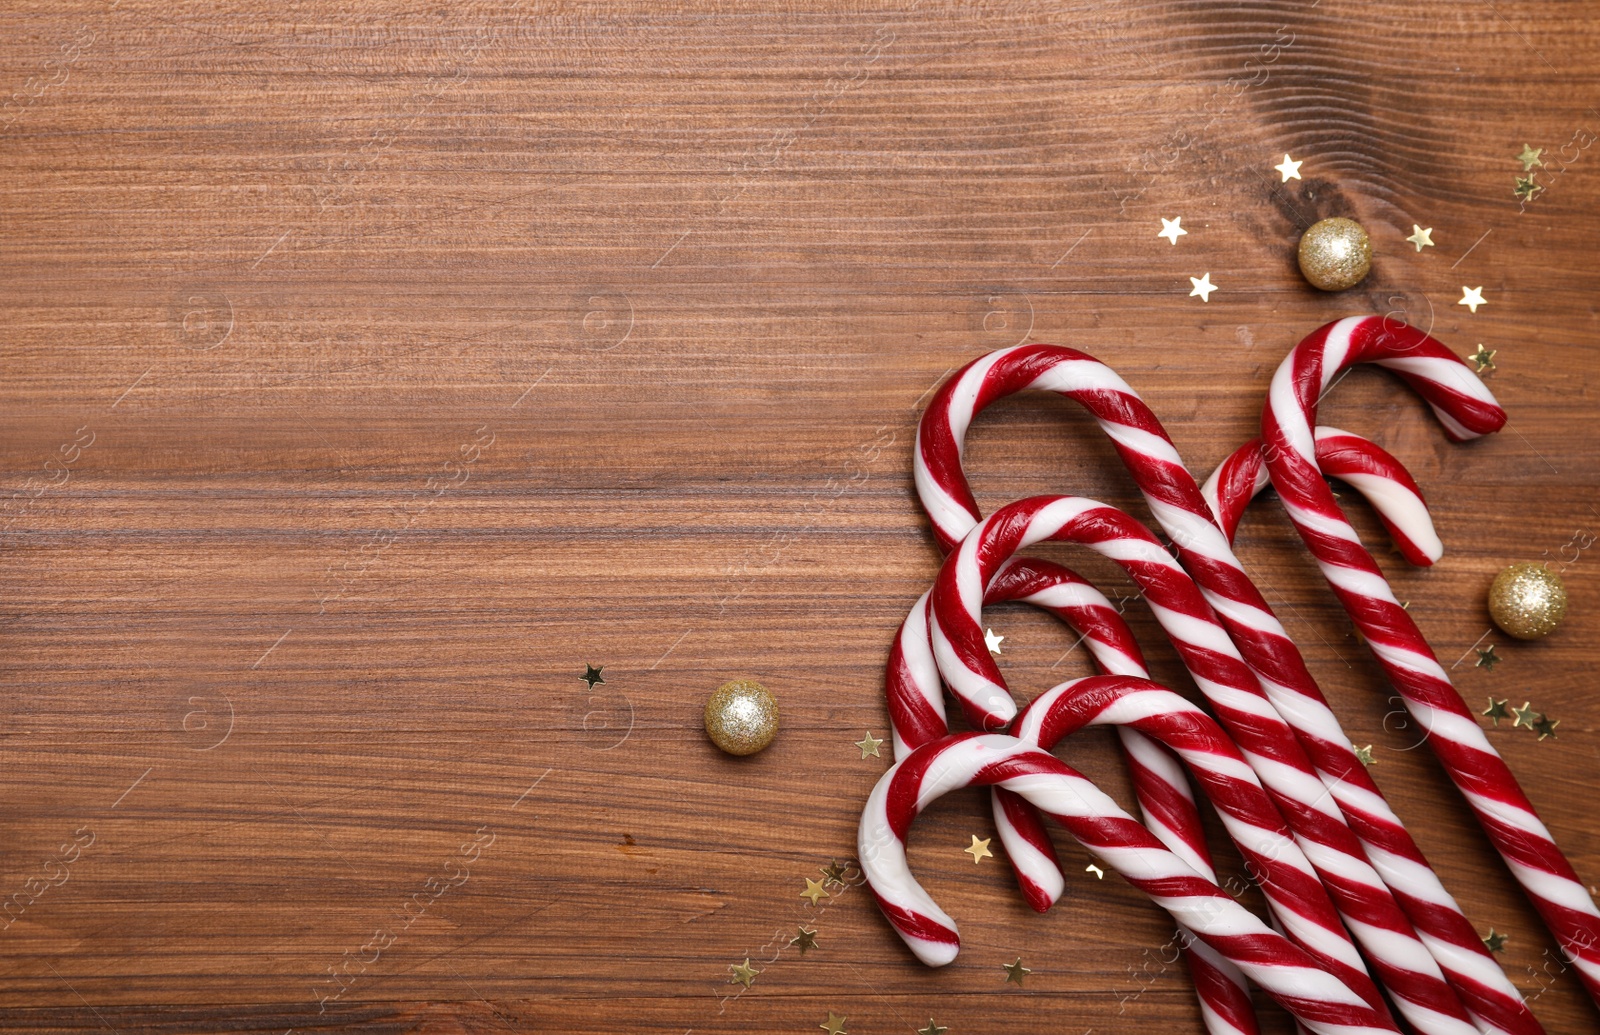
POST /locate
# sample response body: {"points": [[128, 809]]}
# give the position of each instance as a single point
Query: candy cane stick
{"points": [[1286, 972], [1404, 965], [916, 708], [1466, 409], [1366, 467], [1486, 991], [1205, 552]]}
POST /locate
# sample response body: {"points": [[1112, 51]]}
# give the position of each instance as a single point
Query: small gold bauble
{"points": [[1527, 601], [1335, 254], [742, 717]]}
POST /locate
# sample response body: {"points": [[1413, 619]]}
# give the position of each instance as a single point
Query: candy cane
{"points": [[1405, 966], [1293, 892], [1466, 409], [1365, 466], [1486, 991], [916, 708], [1205, 552], [1317, 998]]}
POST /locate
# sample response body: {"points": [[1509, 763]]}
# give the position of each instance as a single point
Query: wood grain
{"points": [[371, 369]]}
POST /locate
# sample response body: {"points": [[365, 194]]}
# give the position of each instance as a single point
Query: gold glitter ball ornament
{"points": [[742, 717], [1527, 601], [1335, 254]]}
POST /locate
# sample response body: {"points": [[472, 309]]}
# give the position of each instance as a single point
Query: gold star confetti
{"points": [[1364, 754], [992, 641], [743, 974], [1483, 359], [806, 939], [1015, 972], [1487, 658], [834, 1025], [1495, 942], [814, 890], [1472, 298], [1527, 188], [979, 849], [1202, 287], [1545, 728], [1496, 710], [1525, 715], [1171, 230], [869, 746], [1420, 237], [1290, 168], [1530, 157], [932, 1029], [591, 675], [833, 873]]}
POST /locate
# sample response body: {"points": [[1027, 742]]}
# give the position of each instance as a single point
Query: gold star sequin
{"points": [[1202, 287], [833, 873], [979, 849], [1289, 167], [1487, 658], [814, 890], [1364, 755], [591, 675], [1015, 972], [743, 974], [1526, 189], [1545, 728], [932, 1029], [992, 641], [869, 746], [834, 1025], [1420, 237], [1530, 157], [1483, 359], [806, 939], [1525, 715], [1099, 874], [1494, 942], [1496, 710], [1171, 230], [1472, 298]]}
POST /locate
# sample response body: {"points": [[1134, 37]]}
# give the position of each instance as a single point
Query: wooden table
{"points": [[370, 370]]}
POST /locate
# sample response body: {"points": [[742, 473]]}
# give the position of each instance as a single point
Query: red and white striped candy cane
{"points": [[1486, 991], [1205, 552], [1365, 466], [1466, 409], [1296, 896], [1317, 998], [1404, 965], [916, 709]]}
